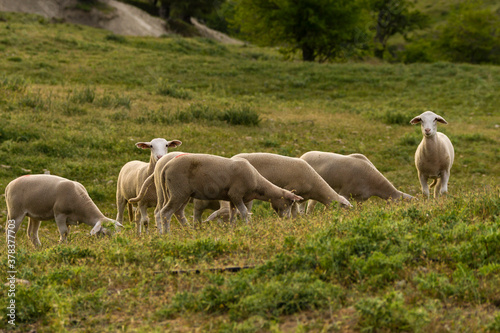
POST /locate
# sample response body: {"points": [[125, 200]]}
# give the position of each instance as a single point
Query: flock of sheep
{"points": [[171, 180]]}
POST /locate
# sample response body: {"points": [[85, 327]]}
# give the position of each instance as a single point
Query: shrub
{"points": [[471, 35], [389, 313], [420, 50], [86, 95], [32, 303], [13, 83], [166, 89], [241, 115]]}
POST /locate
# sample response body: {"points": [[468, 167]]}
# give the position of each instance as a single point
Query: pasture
{"points": [[75, 100]]}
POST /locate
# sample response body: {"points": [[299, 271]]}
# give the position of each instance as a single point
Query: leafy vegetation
{"points": [[75, 101], [318, 29]]}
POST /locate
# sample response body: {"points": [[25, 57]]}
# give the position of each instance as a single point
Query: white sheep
{"points": [[435, 154], [210, 177], [353, 176], [132, 176], [153, 183], [292, 174], [47, 197]]}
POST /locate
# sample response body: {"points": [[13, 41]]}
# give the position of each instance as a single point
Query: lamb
{"points": [[353, 176], [435, 154], [210, 177], [47, 197], [294, 175], [132, 176]]}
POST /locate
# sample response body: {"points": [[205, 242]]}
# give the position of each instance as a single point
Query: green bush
{"points": [[389, 313], [418, 51], [86, 95], [166, 89], [241, 115], [32, 303], [471, 34]]}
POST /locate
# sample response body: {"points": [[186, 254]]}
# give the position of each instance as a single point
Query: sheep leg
{"points": [[442, 185], [132, 213], [33, 226], [301, 207], [157, 215], [120, 205], [199, 207], [12, 232], [310, 206], [179, 214], [143, 221], [241, 207], [63, 227], [214, 215], [423, 182], [166, 214], [295, 210]]}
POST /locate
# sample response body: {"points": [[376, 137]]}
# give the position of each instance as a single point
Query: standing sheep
{"points": [[210, 177], [132, 176], [47, 197], [153, 183], [435, 154], [353, 176]]}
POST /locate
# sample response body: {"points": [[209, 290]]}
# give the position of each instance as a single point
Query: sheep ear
{"points": [[294, 197], [143, 145], [441, 120], [96, 228], [116, 223], [415, 120], [174, 143], [297, 198]]}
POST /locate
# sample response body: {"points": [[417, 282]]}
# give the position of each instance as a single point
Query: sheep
{"points": [[353, 176], [154, 179], [46, 197], [294, 175], [435, 154], [210, 177], [132, 176]]}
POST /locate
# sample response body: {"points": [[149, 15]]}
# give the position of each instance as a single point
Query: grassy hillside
{"points": [[74, 100]]}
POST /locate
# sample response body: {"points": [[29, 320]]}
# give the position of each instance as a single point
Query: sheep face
{"points": [[99, 230], [428, 121], [283, 205], [159, 147]]}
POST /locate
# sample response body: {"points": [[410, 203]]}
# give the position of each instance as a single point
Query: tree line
{"points": [[339, 30]]}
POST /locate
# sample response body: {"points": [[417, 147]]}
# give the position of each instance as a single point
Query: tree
{"points": [[471, 34], [392, 17], [318, 28]]}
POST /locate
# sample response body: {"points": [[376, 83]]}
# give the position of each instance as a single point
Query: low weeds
{"points": [[232, 115]]}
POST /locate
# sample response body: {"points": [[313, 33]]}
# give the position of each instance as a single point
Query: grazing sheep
{"points": [[132, 176], [210, 177], [353, 176], [434, 156], [292, 174], [47, 197]]}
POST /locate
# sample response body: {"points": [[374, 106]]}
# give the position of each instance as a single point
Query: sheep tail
{"points": [[130, 212], [433, 183], [147, 183]]}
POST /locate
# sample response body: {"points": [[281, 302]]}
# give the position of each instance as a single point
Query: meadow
{"points": [[74, 101]]}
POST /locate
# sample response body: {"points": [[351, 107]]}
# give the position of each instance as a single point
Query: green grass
{"points": [[75, 101]]}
